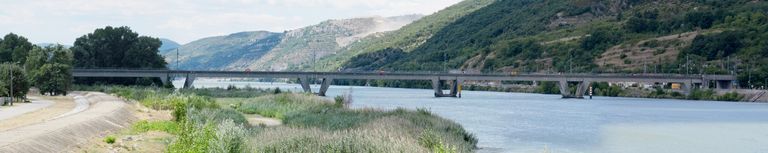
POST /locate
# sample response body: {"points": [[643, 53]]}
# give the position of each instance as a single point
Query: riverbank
{"points": [[309, 123]]}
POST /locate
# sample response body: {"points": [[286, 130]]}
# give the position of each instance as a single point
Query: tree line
{"points": [[24, 65]]}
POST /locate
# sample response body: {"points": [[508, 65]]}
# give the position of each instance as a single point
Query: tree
{"points": [[3, 89], [56, 79], [20, 82], [50, 69], [14, 48], [119, 47]]}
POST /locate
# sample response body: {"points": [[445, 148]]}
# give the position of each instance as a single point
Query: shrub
{"points": [[733, 96], [216, 116], [164, 126], [229, 138], [193, 138], [277, 106], [109, 139]]}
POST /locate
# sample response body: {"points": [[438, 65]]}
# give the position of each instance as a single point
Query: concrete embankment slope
{"points": [[105, 114]]}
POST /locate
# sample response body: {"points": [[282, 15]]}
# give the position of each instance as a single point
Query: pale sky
{"points": [[62, 21]]}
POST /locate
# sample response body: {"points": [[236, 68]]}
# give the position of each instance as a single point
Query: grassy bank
{"points": [[311, 124]]}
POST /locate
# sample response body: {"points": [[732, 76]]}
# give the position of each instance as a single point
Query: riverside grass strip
{"points": [[311, 124]]}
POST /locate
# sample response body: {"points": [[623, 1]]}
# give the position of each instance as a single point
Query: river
{"points": [[518, 122]]}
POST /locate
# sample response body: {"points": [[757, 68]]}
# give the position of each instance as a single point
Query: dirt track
{"points": [[105, 114]]}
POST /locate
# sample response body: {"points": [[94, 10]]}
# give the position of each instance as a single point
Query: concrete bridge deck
{"points": [[582, 80]]}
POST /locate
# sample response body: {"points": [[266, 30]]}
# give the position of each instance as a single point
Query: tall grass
{"points": [[317, 124], [276, 106]]}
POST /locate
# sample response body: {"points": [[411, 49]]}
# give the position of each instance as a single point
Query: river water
{"points": [[517, 122]]}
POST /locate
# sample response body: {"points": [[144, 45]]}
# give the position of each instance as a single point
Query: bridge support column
{"points": [[582, 88], [189, 81], [324, 86], [436, 86], [564, 90], [456, 88], [304, 81], [687, 87], [705, 84], [164, 80]]}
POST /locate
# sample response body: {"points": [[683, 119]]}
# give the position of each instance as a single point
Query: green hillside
{"points": [[168, 45], [627, 36], [221, 51]]}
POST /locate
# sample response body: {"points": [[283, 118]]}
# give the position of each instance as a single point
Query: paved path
{"points": [[82, 105], [17, 109], [106, 114]]}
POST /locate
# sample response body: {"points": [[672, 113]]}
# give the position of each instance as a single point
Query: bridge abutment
{"points": [[724, 84]]}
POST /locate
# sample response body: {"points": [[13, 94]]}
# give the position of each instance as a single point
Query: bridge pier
{"points": [[455, 88], [189, 81], [165, 80], [304, 81], [324, 86], [581, 88]]}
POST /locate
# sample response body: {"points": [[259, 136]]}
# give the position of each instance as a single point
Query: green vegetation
{"points": [[20, 82], [406, 38], [14, 49], [50, 69], [109, 139], [317, 123], [311, 124], [119, 47], [146, 126], [217, 52], [568, 36]]}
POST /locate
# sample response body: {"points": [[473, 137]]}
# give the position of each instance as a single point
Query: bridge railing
{"points": [[150, 70]]}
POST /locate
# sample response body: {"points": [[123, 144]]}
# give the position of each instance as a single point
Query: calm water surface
{"points": [[516, 122]]}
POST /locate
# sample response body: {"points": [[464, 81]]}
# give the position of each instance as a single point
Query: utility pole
{"points": [[10, 71], [749, 73], [687, 65], [445, 62], [177, 59]]}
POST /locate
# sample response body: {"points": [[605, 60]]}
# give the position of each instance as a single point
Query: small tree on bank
{"points": [[20, 82]]}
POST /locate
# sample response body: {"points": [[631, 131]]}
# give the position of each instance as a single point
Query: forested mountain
{"points": [[221, 51], [168, 45], [653, 36]]}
